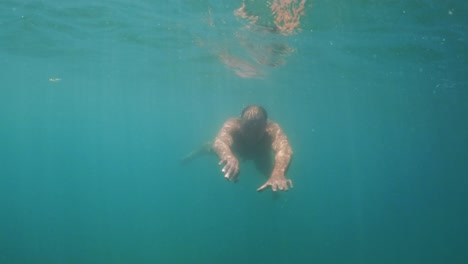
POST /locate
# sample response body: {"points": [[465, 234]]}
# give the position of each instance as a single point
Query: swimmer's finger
{"points": [[225, 168], [274, 187], [263, 187], [234, 173], [236, 176], [290, 183], [229, 172], [283, 186]]}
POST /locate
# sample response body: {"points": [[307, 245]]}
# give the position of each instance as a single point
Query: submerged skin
{"points": [[231, 142], [251, 137]]}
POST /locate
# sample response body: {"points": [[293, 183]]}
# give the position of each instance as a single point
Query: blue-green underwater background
{"points": [[99, 100]]}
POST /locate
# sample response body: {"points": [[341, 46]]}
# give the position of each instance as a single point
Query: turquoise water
{"points": [[100, 100]]}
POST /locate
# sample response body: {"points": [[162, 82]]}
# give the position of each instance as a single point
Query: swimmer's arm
{"points": [[283, 153], [223, 141], [281, 147], [222, 147]]}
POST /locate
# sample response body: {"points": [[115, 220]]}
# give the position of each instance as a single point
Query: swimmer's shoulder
{"points": [[232, 124], [272, 125]]}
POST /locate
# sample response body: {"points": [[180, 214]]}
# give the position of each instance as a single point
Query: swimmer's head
{"points": [[253, 122]]}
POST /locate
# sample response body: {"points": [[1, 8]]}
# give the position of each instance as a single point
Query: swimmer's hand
{"points": [[231, 168], [277, 181]]}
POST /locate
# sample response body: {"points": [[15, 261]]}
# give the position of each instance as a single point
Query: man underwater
{"points": [[252, 136]]}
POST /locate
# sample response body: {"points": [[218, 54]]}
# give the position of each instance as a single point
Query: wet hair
{"points": [[254, 113]]}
